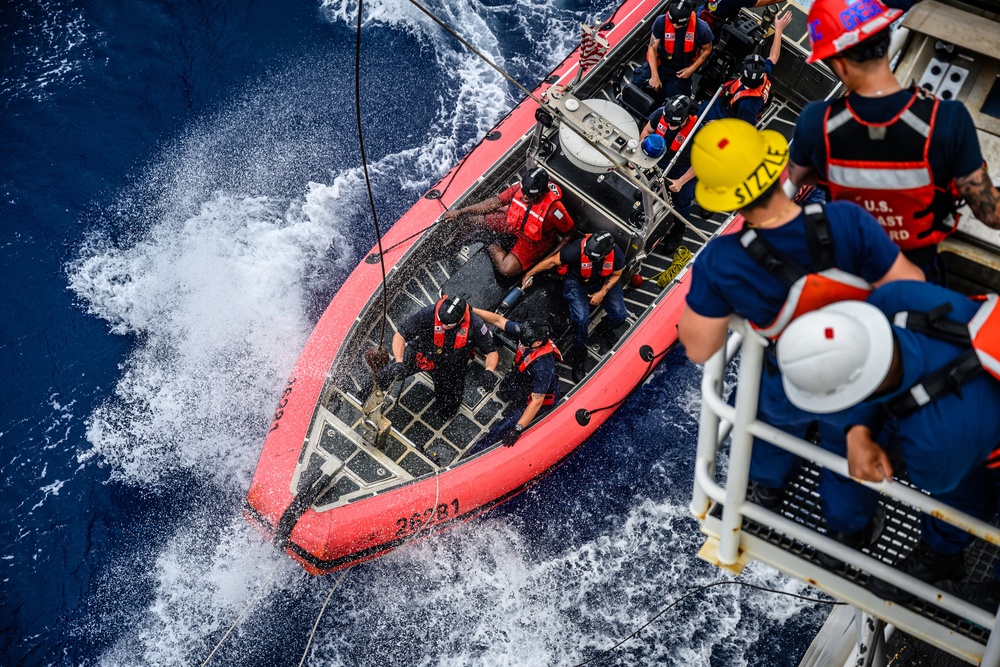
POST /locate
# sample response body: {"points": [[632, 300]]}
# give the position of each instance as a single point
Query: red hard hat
{"points": [[837, 25]]}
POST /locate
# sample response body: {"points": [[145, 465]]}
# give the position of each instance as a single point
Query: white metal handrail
{"points": [[717, 417]]}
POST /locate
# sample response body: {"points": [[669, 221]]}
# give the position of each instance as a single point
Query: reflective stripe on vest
{"points": [[461, 338], [813, 291], [981, 335], [984, 330], [530, 222], [807, 290], [884, 168], [735, 91], [670, 36]]}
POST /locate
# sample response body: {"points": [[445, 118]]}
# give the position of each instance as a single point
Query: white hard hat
{"points": [[835, 357]]}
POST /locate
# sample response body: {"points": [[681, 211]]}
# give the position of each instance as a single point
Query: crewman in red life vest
{"points": [[591, 271], [675, 121], [440, 340], [785, 261], [680, 43], [747, 96], [531, 212], [531, 388], [901, 153]]}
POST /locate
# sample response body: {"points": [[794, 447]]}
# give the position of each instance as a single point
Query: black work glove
{"points": [[511, 436], [489, 380]]}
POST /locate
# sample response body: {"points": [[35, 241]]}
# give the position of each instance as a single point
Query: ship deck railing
{"points": [[739, 530]]}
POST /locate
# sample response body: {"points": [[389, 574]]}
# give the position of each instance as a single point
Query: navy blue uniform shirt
{"points": [[726, 280], [702, 36], [541, 377]]}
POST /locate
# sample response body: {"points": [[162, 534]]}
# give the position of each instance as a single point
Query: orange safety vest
{"points": [[461, 337], [662, 128], [529, 221], [670, 36], [981, 335], [890, 176], [734, 91], [587, 266], [807, 291], [524, 358]]}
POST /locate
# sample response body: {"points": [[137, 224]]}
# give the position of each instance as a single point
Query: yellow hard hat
{"points": [[734, 163]]}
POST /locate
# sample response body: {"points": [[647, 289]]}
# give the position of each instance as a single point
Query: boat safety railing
{"points": [[731, 546]]}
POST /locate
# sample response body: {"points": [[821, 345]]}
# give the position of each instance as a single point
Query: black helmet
{"points": [[754, 70], [452, 310], [535, 181], [599, 245], [677, 109], [679, 12], [532, 332]]}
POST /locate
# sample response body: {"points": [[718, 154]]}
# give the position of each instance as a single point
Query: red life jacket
{"points": [[670, 40], [890, 176], [981, 335], [529, 222], [461, 337], [587, 266], [734, 91], [662, 128], [807, 291], [524, 358]]}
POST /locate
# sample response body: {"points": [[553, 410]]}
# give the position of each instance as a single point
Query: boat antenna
{"points": [[568, 122], [364, 164]]}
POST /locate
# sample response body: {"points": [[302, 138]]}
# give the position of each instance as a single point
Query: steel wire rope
{"points": [[600, 149], [322, 609], [364, 165], [239, 617], [699, 589]]}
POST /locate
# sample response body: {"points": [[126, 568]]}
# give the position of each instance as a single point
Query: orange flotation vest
{"points": [[981, 335], [587, 266], [524, 358], [670, 37], [890, 176], [529, 221], [662, 128], [807, 291], [461, 337]]}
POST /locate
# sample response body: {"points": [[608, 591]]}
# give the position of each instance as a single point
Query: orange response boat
{"points": [[345, 477]]}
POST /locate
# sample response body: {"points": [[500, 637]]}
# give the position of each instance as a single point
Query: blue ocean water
{"points": [[182, 194]]}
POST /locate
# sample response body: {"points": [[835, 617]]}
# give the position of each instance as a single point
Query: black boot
{"points": [[924, 564], [578, 362], [857, 540]]}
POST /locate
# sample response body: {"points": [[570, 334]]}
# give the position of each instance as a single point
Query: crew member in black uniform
{"points": [[440, 339], [532, 385]]}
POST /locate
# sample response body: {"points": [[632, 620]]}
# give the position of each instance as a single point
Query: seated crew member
{"points": [[440, 339], [717, 12], [531, 211], [752, 274], [679, 44], [849, 353], [591, 271], [532, 385], [746, 96], [901, 153], [674, 121]]}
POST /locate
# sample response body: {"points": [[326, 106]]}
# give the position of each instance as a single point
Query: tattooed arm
{"points": [[982, 196]]}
